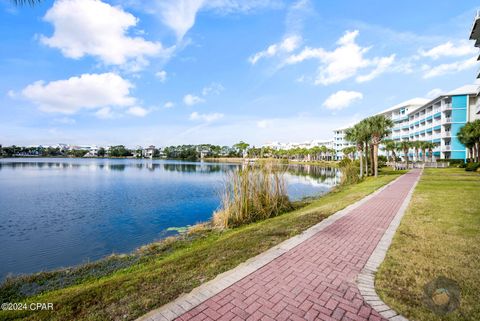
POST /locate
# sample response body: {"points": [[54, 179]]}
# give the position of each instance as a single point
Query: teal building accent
{"points": [[459, 101]]}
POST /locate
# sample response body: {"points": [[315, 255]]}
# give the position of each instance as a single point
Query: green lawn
{"points": [[183, 265], [438, 236]]}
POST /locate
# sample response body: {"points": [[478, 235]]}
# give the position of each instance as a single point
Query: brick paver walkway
{"points": [[316, 279]]}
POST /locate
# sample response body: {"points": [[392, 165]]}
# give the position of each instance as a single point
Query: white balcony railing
{"points": [[446, 147], [448, 119], [447, 106], [446, 133]]}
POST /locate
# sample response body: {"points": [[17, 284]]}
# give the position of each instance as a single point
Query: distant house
{"points": [[149, 152]]}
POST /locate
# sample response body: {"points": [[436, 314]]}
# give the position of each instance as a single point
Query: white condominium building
{"points": [[475, 34], [437, 120], [339, 142]]}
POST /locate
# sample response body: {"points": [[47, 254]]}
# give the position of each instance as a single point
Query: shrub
{"points": [[382, 158], [382, 161], [252, 193], [472, 167]]}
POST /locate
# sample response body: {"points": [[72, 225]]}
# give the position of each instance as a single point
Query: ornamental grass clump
{"points": [[252, 193], [349, 170]]}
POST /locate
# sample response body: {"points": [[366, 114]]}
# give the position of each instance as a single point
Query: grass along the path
{"points": [[438, 236], [135, 290]]}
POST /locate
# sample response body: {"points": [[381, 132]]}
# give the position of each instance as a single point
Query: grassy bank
{"points": [[177, 266], [439, 236]]}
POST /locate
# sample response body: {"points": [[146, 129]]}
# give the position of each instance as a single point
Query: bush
{"points": [[472, 167], [382, 158], [382, 161], [345, 162]]}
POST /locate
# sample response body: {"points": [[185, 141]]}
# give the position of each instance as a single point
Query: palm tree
{"points": [[349, 152], [322, 152], [423, 147], [466, 136], [429, 146], [357, 135], [476, 134], [404, 146], [390, 146], [379, 127], [416, 145]]}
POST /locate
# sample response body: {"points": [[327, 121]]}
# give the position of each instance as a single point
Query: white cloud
{"points": [[92, 27], [105, 113], [342, 99], [449, 49], [287, 45], [343, 62], [382, 65], [214, 89], [11, 94], [263, 123], [191, 100], [449, 68], [88, 91], [65, 121], [169, 104], [206, 117], [137, 111], [434, 93], [161, 75], [180, 15]]}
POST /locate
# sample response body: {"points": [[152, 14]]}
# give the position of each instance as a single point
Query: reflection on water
{"points": [[61, 212]]}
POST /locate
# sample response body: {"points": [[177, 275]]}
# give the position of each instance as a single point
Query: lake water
{"points": [[62, 212]]}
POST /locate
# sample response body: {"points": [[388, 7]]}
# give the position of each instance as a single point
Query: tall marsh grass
{"points": [[350, 170], [252, 193]]}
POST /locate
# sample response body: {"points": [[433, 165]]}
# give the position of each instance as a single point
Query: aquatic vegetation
{"points": [[252, 193]]}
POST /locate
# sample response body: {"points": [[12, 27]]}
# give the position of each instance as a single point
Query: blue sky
{"points": [[219, 71]]}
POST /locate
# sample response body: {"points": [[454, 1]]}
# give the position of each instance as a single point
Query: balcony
{"points": [[447, 134], [447, 107], [446, 147], [448, 119]]}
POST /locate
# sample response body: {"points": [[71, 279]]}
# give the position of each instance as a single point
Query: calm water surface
{"points": [[62, 212]]}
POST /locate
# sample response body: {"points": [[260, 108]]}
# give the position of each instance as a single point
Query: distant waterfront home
{"points": [[149, 152]]}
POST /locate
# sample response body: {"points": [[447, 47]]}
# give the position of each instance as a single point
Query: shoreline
{"points": [[170, 267]]}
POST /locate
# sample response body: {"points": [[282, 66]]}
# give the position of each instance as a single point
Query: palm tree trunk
{"points": [[366, 159], [372, 157], [476, 153], [375, 159], [361, 162]]}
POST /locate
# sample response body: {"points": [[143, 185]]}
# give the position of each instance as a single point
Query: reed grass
{"points": [[252, 193], [349, 171]]}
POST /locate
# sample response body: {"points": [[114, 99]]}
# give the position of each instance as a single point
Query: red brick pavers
{"points": [[316, 279]]}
